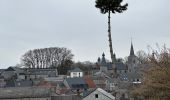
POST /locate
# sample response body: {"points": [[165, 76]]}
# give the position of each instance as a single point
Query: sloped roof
{"points": [[120, 66], [102, 92], [131, 50], [76, 70], [17, 69], [10, 69], [42, 71], [76, 82], [106, 93], [109, 66], [24, 83]]}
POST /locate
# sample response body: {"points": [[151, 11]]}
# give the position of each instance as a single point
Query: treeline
{"points": [[46, 57]]}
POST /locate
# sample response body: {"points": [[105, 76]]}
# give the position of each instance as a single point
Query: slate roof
{"points": [[10, 69], [17, 69], [42, 71], [76, 83], [24, 83], [123, 77], [120, 66], [76, 70], [55, 79], [129, 76], [109, 66]]}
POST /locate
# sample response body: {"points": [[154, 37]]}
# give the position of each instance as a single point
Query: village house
{"points": [[99, 94], [76, 72]]}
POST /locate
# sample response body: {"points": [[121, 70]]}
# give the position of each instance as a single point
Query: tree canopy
{"points": [[46, 57], [114, 6]]}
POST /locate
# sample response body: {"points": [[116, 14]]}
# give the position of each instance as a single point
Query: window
{"points": [[96, 95], [125, 71], [79, 74]]}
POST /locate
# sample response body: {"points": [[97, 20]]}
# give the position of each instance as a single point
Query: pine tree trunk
{"points": [[110, 38]]}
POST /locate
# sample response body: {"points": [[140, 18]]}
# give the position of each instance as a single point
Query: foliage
{"points": [[142, 56], [156, 78], [46, 57], [111, 5], [64, 67]]}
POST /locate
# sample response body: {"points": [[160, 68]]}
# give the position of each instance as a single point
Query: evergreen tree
{"points": [[110, 6]]}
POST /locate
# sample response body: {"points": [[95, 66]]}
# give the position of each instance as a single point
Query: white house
{"points": [[77, 72], [99, 94]]}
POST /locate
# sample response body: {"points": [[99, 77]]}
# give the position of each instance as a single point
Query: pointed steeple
{"points": [[103, 55], [131, 50], [103, 59]]}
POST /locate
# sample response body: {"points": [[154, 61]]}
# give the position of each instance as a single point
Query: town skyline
{"points": [[79, 26]]}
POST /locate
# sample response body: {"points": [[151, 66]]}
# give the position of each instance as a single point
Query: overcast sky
{"points": [[79, 26]]}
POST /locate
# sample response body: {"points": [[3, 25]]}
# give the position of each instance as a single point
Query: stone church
{"points": [[128, 71]]}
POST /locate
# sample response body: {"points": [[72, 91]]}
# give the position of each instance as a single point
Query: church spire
{"points": [[131, 50], [103, 58]]}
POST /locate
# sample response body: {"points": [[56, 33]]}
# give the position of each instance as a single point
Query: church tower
{"points": [[131, 50], [103, 64], [132, 60]]}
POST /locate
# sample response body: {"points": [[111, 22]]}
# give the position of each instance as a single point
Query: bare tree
{"points": [[142, 56], [156, 78], [46, 57]]}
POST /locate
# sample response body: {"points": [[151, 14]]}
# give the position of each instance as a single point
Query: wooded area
{"points": [[46, 57]]}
